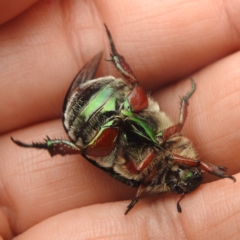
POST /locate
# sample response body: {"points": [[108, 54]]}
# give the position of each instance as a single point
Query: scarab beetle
{"points": [[117, 127]]}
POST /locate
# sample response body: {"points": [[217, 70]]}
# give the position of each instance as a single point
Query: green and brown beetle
{"points": [[117, 127]]}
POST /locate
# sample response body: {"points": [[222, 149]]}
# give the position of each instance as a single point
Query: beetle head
{"points": [[184, 180]]}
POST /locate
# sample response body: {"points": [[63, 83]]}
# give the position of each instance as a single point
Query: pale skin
{"points": [[165, 43]]}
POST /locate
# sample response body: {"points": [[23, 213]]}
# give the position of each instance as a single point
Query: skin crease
{"points": [[165, 42]]}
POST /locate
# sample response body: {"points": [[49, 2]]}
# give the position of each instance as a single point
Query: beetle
{"points": [[117, 127]]}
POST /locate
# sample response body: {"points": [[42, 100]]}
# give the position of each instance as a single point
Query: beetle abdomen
{"points": [[91, 105]]}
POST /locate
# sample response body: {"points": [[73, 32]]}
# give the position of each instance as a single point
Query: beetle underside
{"points": [[118, 128]]}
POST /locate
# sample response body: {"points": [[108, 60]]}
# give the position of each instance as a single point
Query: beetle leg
{"points": [[169, 132], [137, 98], [103, 143], [178, 203], [54, 147], [218, 171], [135, 200], [184, 105], [133, 168], [105, 140], [119, 61]]}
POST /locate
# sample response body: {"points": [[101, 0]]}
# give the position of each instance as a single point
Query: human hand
{"points": [[66, 197]]}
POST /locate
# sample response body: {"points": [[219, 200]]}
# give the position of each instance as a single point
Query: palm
{"points": [[42, 50]]}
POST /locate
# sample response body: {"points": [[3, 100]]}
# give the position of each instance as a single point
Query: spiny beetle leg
{"points": [[54, 147], [182, 116], [218, 171], [135, 200], [137, 98], [184, 104], [119, 61], [131, 205]]}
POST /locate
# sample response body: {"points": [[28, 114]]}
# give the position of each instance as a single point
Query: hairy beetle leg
{"points": [[137, 98], [169, 132], [218, 171], [54, 147]]}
